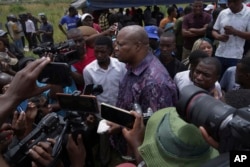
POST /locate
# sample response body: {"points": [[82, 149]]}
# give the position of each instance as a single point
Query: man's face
{"points": [[234, 5], [102, 53], [167, 46], [125, 48], [241, 76], [198, 7], [205, 76], [88, 21], [80, 43]]}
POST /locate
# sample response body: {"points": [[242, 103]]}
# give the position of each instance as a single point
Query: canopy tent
{"points": [[101, 4], [79, 4]]}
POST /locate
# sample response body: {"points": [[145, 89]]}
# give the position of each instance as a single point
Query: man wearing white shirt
{"points": [[31, 32], [108, 72], [105, 70], [232, 28]]}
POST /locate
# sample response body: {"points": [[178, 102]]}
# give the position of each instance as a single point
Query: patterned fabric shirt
{"points": [[103, 21], [149, 85]]}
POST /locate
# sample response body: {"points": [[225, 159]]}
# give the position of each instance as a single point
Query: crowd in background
{"points": [[139, 56]]}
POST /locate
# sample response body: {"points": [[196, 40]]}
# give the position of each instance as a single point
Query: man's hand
{"points": [[114, 128], [229, 30], [223, 38], [6, 134], [135, 135], [77, 152], [41, 153], [208, 138], [19, 124], [23, 85]]}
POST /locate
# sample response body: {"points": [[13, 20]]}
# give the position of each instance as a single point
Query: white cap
{"points": [[209, 7], [85, 15]]}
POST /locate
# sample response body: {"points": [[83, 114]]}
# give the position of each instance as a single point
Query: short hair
{"points": [[196, 55], [245, 62], [72, 8], [213, 61], [104, 40], [238, 98], [171, 9]]}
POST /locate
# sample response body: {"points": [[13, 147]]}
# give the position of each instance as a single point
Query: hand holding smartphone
{"points": [[117, 115], [56, 73]]}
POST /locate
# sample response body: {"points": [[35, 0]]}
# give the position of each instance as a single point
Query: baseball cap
{"points": [[2, 33], [4, 57], [152, 32], [86, 15], [170, 141], [209, 7]]}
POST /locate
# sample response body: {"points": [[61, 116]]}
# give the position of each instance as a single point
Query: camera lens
{"points": [[197, 107]]}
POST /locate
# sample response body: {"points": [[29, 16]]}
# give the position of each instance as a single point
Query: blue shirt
{"points": [[71, 22]]}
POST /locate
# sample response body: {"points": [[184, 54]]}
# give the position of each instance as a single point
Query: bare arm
{"points": [[23, 86], [62, 29], [219, 37]]}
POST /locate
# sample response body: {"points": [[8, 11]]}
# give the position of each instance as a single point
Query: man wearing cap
{"points": [[209, 9], [15, 31], [153, 36], [87, 20], [7, 59], [46, 30], [10, 46]]}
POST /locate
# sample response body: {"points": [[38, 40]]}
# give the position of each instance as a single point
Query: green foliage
{"points": [[46, 3], [17, 8]]}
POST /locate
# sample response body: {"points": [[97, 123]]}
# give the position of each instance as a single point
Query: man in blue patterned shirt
{"points": [[146, 82]]}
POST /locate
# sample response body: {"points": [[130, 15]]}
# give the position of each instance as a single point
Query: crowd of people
{"points": [[144, 58]]}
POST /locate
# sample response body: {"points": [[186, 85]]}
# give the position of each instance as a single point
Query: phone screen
{"points": [[81, 103], [56, 73], [117, 115]]}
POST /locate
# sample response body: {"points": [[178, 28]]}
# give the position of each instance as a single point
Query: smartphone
{"points": [[117, 115], [56, 73], [81, 103], [22, 106]]}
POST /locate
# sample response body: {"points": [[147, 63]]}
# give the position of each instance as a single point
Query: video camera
{"points": [[226, 124], [54, 126], [64, 52]]}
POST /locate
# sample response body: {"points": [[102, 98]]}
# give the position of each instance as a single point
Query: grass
{"points": [[54, 10]]}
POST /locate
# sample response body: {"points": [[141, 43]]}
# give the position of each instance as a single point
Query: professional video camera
{"points": [[65, 52], [227, 125], [78, 108]]}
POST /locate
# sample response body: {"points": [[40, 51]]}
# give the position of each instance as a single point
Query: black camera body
{"points": [[57, 127], [64, 52], [48, 127], [226, 124]]}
